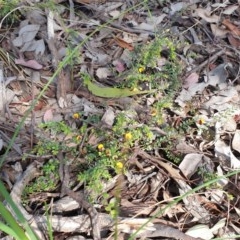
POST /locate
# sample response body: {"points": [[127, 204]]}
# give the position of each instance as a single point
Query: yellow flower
{"points": [[108, 152], [201, 121], [100, 147], [141, 69], [160, 121], [119, 166], [128, 136], [78, 137], [76, 115], [135, 90], [153, 112]]}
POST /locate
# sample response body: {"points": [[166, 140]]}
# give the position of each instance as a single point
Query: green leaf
{"points": [[9, 231], [19, 215], [7, 216], [111, 92]]}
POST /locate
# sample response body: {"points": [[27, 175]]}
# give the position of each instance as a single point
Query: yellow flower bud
{"points": [[141, 69], [201, 121], [128, 136], [153, 112], [119, 165], [76, 115], [100, 147], [108, 152], [78, 137]]}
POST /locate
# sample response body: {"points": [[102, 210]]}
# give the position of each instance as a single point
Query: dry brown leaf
{"points": [[236, 140], [119, 65], [218, 32], [26, 35], [48, 116], [176, 7], [206, 15], [230, 9], [235, 42], [30, 63], [121, 43], [191, 80], [103, 73], [190, 164], [233, 28], [40, 105]]}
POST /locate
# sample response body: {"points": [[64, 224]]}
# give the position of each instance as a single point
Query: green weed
{"points": [[108, 156], [47, 182], [6, 7], [147, 67]]}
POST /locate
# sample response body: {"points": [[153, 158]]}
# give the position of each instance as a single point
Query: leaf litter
{"points": [[207, 102]]}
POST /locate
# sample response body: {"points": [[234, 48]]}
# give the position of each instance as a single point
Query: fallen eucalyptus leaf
{"points": [[206, 15], [103, 73], [191, 80], [108, 117], [48, 116], [230, 9], [236, 141], [30, 63], [190, 163], [200, 230], [26, 34], [218, 31]]}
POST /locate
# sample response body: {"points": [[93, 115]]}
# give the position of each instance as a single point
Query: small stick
{"points": [[212, 58]]}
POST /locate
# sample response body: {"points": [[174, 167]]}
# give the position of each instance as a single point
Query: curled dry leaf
{"points": [[39, 106], [156, 20], [223, 150], [103, 73], [220, 5], [114, 13], [236, 140], [176, 7], [119, 65], [48, 116], [225, 99], [26, 34], [200, 230], [108, 117], [190, 163], [233, 28], [36, 17], [235, 42], [203, 231], [146, 26], [206, 15], [35, 45], [123, 44], [230, 9], [191, 80], [30, 63], [218, 32]]}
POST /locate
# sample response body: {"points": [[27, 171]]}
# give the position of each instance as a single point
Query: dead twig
{"points": [[209, 60], [63, 78], [118, 26], [78, 197], [16, 193]]}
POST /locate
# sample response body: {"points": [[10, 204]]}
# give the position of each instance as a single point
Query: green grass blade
{"points": [[49, 227], [207, 184], [10, 232], [9, 219], [19, 215]]}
